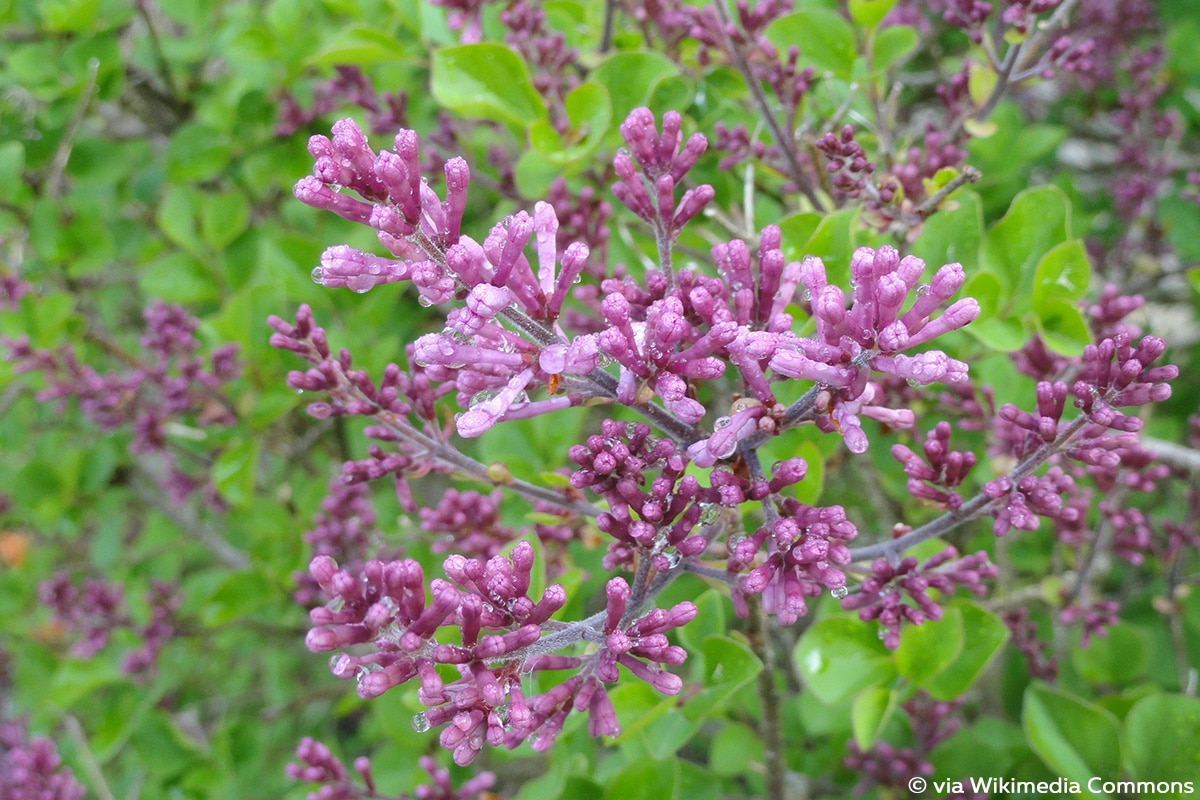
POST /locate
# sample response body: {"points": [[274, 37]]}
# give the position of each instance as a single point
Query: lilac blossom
{"points": [[317, 764], [166, 385], [349, 85], [652, 169], [882, 596], [1040, 663], [502, 634], [31, 768], [806, 554], [931, 722], [873, 332], [943, 470], [1096, 616]]}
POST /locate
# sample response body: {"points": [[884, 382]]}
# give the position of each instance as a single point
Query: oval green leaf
{"points": [[486, 81]]}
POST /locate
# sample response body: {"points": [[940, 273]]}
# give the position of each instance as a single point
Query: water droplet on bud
{"points": [[318, 275], [840, 592], [424, 301], [419, 723], [721, 422]]}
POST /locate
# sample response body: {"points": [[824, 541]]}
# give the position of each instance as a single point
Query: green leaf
{"points": [[1118, 657], [1162, 740], [197, 152], [240, 596], [869, 13], [871, 711], [631, 78], [1074, 738], [176, 217], [833, 243], [797, 229], [360, 45], [637, 705], [728, 666], [663, 737], [589, 110], [891, 45], [223, 218], [825, 39], [1035, 223], [709, 621], [12, 167], [645, 779], [984, 635], [839, 657], [1002, 335], [928, 648], [953, 234], [234, 471], [988, 292], [1061, 274], [486, 81], [1062, 325], [733, 750], [65, 16]]}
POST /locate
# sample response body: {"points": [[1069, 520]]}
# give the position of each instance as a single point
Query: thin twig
{"points": [[771, 727], [786, 142], [90, 766], [58, 166]]}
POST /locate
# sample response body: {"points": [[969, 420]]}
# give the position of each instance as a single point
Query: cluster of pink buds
{"points": [[168, 383], [503, 634], [943, 470], [653, 167], [847, 162], [1096, 618], [31, 768], [882, 596], [805, 554], [317, 764]]}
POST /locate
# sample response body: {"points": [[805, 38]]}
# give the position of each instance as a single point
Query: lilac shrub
{"points": [[674, 486]]}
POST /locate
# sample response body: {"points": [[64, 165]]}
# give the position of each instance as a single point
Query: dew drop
{"points": [[424, 301], [709, 512], [721, 422], [318, 275], [922, 289], [807, 295], [673, 558], [881, 634], [840, 592], [419, 723]]}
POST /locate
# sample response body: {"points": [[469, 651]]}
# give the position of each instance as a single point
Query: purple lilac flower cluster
{"points": [[504, 634], [31, 768], [930, 721], [881, 596], [1040, 663], [93, 612], [317, 764], [170, 385], [349, 86], [511, 349]]}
